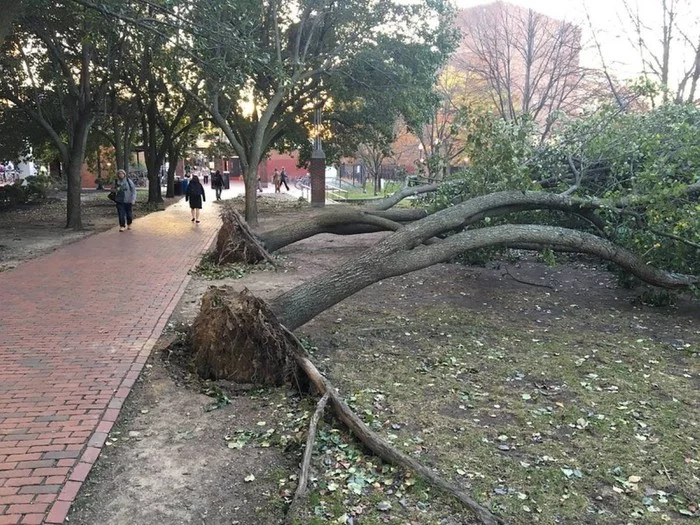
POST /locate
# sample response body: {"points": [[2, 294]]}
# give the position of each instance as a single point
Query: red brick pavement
{"points": [[76, 328]]}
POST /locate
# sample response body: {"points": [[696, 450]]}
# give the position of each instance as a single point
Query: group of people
{"points": [[125, 194], [279, 178]]}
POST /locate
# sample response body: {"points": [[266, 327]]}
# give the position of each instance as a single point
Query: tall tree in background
{"points": [[528, 62], [57, 66], [667, 40], [280, 58], [442, 135], [373, 97]]}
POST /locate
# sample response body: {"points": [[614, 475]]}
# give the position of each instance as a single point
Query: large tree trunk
{"points": [[408, 250], [154, 157], [73, 173], [74, 165], [250, 179], [338, 220], [351, 220], [391, 258], [173, 159]]}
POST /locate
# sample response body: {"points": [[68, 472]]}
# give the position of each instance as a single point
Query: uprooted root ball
{"points": [[236, 337], [236, 242]]}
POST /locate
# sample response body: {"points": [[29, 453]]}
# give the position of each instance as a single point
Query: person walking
{"points": [[284, 179], [217, 182], [195, 195], [125, 197], [276, 180]]}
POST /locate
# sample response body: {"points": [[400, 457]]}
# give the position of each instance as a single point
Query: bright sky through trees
{"points": [[614, 29]]}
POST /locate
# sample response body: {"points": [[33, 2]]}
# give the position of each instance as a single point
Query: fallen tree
{"points": [[242, 338], [236, 242], [409, 249]]}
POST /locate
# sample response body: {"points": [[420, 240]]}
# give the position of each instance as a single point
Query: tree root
{"points": [[236, 242], [306, 461], [235, 337], [375, 443]]}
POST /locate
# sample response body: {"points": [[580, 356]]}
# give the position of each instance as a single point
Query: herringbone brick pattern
{"points": [[76, 329]]}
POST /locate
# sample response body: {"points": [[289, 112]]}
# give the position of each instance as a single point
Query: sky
{"points": [[613, 29]]}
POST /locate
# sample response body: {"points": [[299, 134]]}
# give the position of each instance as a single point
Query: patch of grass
{"points": [[570, 424]]}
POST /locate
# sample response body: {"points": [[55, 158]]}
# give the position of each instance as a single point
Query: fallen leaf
{"points": [[384, 505]]}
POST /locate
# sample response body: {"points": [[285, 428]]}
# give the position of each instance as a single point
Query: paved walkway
{"points": [[76, 328]]}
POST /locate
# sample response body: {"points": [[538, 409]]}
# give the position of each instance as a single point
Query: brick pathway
{"points": [[76, 328]]}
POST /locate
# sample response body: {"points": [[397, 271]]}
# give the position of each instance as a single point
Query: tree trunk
{"points": [[353, 221], [173, 159], [250, 179], [397, 256], [73, 174], [336, 220], [154, 158], [99, 170], [74, 165], [339, 221], [119, 152]]}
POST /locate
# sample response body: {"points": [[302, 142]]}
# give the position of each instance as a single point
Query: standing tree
{"points": [[57, 66], [280, 60], [528, 62], [442, 136], [378, 91], [676, 47]]}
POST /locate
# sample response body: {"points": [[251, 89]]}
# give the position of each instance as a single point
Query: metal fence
{"points": [[357, 174]]}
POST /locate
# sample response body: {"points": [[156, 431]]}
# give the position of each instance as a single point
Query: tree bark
{"points": [[250, 181], [351, 221], [341, 221], [401, 253], [73, 172], [400, 195], [154, 155], [173, 159], [74, 165]]}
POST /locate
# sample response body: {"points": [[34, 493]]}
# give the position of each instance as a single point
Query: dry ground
{"points": [[559, 401]]}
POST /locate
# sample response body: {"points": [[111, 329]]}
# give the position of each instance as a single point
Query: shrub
{"points": [[12, 194], [36, 188]]}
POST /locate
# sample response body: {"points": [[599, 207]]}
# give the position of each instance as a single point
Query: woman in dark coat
{"points": [[195, 195]]}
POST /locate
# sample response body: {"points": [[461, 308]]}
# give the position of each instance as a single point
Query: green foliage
{"points": [[499, 152], [31, 190], [644, 162], [12, 194], [36, 188], [638, 165]]}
